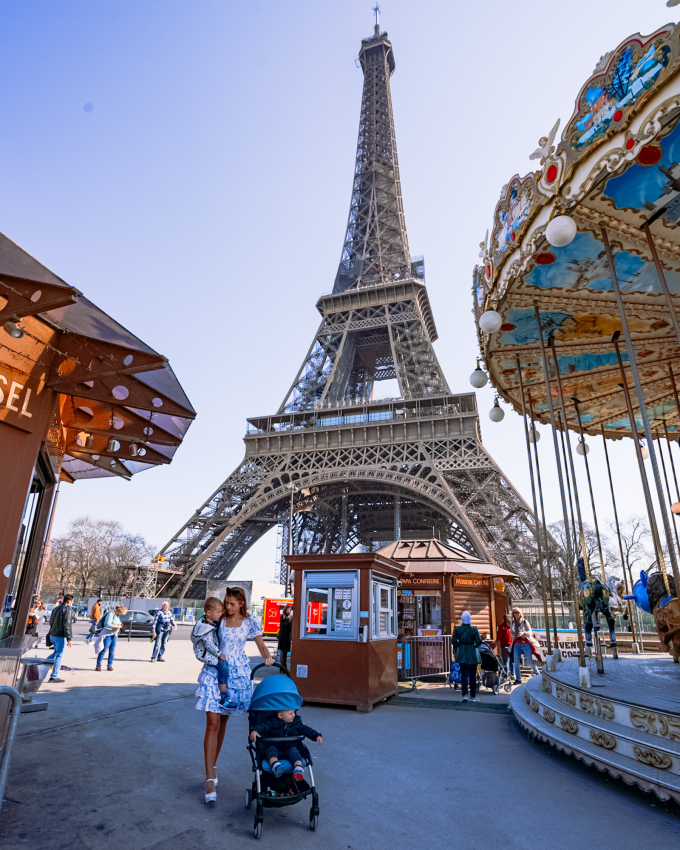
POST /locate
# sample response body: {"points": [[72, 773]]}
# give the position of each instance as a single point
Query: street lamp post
{"points": [[290, 541]]}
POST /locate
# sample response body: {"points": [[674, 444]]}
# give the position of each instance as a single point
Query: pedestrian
{"points": [[108, 636], [32, 623], [522, 640], [163, 624], [61, 633], [503, 641], [235, 627], [465, 640], [285, 635], [95, 617], [43, 626]]}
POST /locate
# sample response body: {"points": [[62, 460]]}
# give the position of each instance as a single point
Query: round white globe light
{"points": [[645, 452], [561, 231], [496, 414], [534, 435], [478, 378], [675, 507], [490, 321], [582, 448]]}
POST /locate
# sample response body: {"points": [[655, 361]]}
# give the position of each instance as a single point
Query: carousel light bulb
{"points": [[645, 452], [111, 445], [561, 231], [534, 435], [496, 414], [490, 321], [89, 442], [478, 378], [133, 449], [583, 448], [14, 330]]}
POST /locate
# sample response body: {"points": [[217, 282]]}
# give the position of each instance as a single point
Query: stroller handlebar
{"points": [[275, 664]]}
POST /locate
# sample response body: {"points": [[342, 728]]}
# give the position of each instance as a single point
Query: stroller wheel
{"points": [[495, 689], [258, 829], [507, 687], [313, 820], [249, 798]]}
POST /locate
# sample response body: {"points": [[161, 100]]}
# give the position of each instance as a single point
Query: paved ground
{"points": [[116, 762]]}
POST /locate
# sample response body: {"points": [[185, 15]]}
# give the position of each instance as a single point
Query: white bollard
{"points": [[557, 654], [584, 677], [636, 648], [550, 663]]}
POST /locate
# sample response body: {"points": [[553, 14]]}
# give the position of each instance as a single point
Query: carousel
{"points": [[576, 303]]}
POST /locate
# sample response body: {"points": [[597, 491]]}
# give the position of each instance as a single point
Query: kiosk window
{"points": [[384, 620], [331, 601]]}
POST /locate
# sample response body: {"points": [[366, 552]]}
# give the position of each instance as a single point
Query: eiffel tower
{"points": [[363, 470]]}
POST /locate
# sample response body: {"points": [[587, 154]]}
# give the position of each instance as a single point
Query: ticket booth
{"points": [[344, 648]]}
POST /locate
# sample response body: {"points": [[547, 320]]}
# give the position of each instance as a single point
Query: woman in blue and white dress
{"points": [[235, 628]]}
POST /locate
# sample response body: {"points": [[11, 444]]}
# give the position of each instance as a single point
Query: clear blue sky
{"points": [[202, 200]]}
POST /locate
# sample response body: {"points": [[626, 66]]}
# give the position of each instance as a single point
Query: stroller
{"points": [[272, 694], [494, 673]]}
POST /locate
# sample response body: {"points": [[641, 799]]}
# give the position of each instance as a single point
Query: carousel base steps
{"points": [[629, 726]]}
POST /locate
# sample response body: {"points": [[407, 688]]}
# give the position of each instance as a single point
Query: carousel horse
{"points": [[594, 600], [650, 594]]}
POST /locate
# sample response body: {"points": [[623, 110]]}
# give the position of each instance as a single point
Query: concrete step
{"points": [[595, 717], [597, 741]]}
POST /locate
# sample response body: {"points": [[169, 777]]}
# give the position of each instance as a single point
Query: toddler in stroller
{"points": [[494, 672], [277, 750]]}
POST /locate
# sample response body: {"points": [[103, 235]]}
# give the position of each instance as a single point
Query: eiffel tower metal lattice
{"points": [[365, 471]]}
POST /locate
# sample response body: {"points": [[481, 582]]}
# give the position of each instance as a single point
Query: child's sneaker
{"points": [[278, 769], [298, 773]]}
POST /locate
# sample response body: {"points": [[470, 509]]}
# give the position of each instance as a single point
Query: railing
{"points": [[8, 730], [421, 657], [398, 409]]}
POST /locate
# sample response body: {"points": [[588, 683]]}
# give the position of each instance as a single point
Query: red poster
{"points": [[272, 614]]}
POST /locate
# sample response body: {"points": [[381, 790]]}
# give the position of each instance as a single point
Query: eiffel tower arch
{"points": [[364, 469]]}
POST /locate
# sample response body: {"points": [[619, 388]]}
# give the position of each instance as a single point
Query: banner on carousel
{"points": [[568, 642]]}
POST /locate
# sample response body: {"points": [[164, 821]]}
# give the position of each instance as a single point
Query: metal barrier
{"points": [[9, 733], [420, 657]]}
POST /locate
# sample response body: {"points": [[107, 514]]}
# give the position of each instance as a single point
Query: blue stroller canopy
{"points": [[276, 693]]}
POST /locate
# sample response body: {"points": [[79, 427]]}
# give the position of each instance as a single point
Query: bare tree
{"points": [[91, 555], [59, 572], [635, 536]]}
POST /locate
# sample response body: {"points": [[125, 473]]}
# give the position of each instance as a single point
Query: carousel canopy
{"points": [[617, 166]]}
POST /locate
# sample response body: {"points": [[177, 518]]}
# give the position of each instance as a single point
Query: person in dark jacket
{"points": [[285, 634], [61, 633], [286, 724], [465, 640]]}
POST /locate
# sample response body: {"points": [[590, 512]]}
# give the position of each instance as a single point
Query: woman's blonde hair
{"points": [[120, 609], [518, 611]]}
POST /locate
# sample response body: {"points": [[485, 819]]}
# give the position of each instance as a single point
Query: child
{"points": [[286, 724], [204, 634]]}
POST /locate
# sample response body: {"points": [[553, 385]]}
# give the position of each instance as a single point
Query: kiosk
{"points": [[344, 648], [441, 581]]}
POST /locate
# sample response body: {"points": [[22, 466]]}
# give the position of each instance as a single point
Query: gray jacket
{"points": [[206, 642]]}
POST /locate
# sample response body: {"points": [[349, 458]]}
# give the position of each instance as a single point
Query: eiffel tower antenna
{"points": [[368, 434], [376, 9]]}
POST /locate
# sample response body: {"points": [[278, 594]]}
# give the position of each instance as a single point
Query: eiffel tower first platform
{"points": [[364, 472]]}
